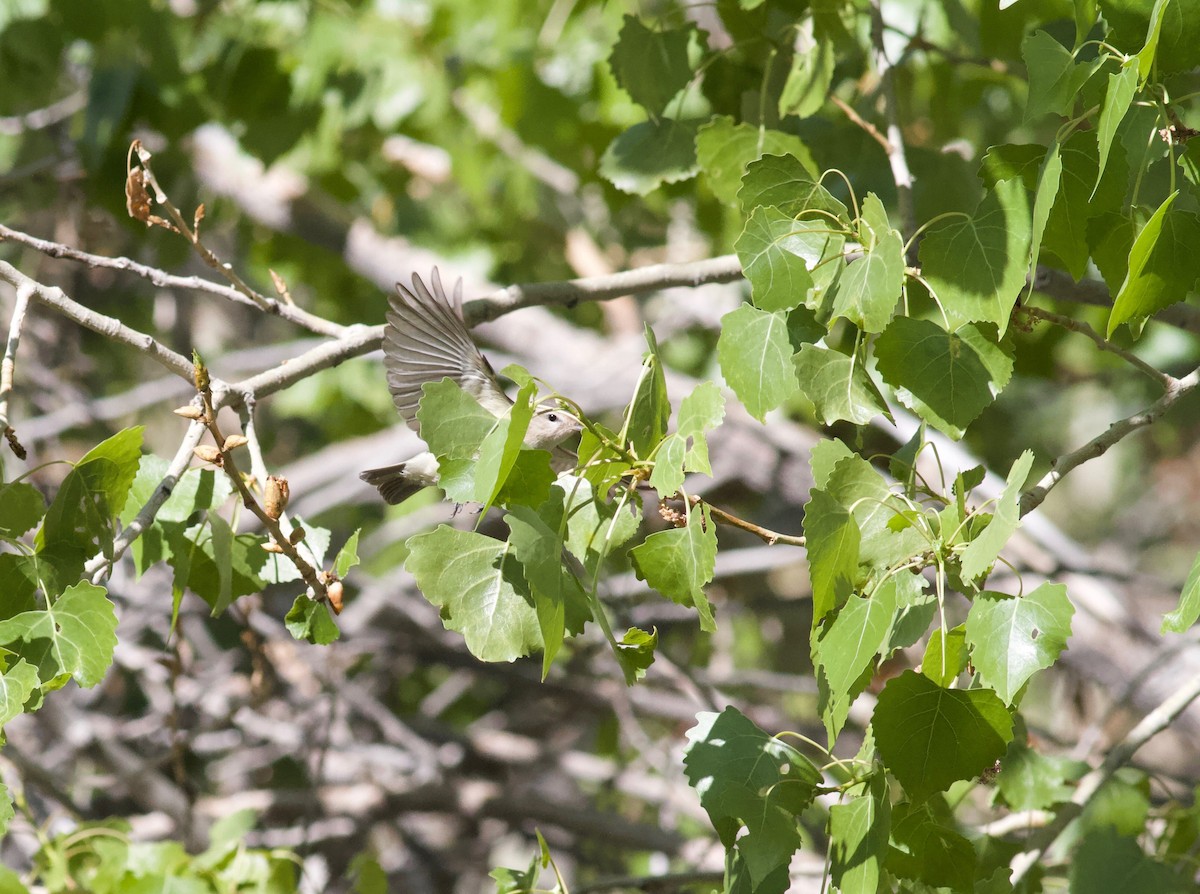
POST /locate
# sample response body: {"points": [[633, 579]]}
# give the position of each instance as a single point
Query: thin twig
{"points": [[9, 364], [1099, 445], [1101, 342], [193, 235], [725, 268], [109, 327], [727, 518], [901, 174], [165, 280], [870, 129], [309, 574], [100, 566], [1118, 756]]}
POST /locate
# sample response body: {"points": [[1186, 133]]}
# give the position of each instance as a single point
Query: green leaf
{"points": [[217, 566], [1012, 160], [945, 656], [650, 410], [858, 838], [824, 457], [839, 386], [832, 540], [700, 412], [529, 480], [756, 358], [928, 849], [871, 285], [1145, 57], [93, 493], [915, 608], [652, 66], [786, 182], [80, 629], [1011, 637], [347, 556], [479, 586], [1043, 202], [775, 254], [453, 423], [687, 449], [595, 528], [977, 266], [930, 737], [650, 154], [557, 596], [1055, 78], [1030, 780], [1110, 862], [1188, 610], [947, 378], [499, 451], [16, 685], [857, 486], [194, 492], [808, 81], [635, 652], [1079, 200], [1121, 89], [278, 568], [846, 650], [680, 562], [21, 507], [981, 553], [753, 787], [311, 621], [1161, 265], [724, 149]]}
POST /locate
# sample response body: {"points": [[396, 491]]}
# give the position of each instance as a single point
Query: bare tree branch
{"points": [[1118, 756], [8, 364], [1101, 444], [165, 280]]}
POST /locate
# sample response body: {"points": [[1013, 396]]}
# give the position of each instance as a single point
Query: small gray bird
{"points": [[427, 341]]}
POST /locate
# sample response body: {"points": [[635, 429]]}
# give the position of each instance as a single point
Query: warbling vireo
{"points": [[427, 341]]}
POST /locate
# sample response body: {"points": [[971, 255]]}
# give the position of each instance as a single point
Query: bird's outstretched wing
{"points": [[427, 341]]}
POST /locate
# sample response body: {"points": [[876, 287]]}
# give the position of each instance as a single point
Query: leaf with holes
{"points": [[1013, 637]]}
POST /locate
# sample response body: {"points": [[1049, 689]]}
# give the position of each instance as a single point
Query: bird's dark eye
{"points": [[553, 417]]}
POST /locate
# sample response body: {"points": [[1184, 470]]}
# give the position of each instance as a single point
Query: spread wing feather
{"points": [[427, 341]]}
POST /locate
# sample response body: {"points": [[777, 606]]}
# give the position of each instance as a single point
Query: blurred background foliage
{"points": [[474, 131]]}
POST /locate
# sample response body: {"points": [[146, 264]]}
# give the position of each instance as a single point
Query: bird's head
{"points": [[549, 427]]}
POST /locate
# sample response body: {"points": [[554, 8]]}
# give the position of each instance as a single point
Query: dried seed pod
{"points": [[272, 547], [334, 591], [234, 441], [275, 499], [208, 453], [189, 412], [297, 535]]}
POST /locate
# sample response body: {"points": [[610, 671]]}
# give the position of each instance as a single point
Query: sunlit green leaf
{"points": [[482, 593], [839, 386], [753, 787], [756, 358], [21, 507], [311, 621], [1121, 89], [1187, 611], [945, 656], [680, 562], [1161, 265], [832, 540], [808, 80], [871, 285], [846, 649], [982, 551], [787, 182], [724, 149], [16, 685], [1013, 637], [858, 838], [80, 630], [1054, 76], [977, 265]]}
